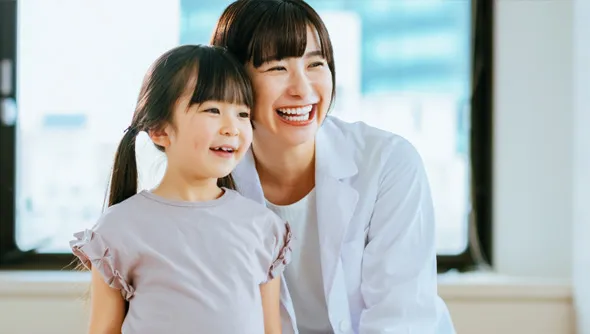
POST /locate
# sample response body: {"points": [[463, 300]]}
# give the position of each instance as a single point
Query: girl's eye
{"points": [[212, 110], [245, 114], [317, 64], [277, 68]]}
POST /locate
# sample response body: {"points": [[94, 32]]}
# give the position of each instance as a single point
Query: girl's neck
{"points": [[286, 174], [177, 186]]}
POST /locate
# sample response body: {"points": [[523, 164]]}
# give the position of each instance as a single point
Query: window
{"points": [[403, 66]]}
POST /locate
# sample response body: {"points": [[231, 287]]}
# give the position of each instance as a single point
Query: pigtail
{"points": [[124, 178], [227, 182]]}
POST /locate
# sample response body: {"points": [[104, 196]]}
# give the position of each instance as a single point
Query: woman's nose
{"points": [[300, 85]]}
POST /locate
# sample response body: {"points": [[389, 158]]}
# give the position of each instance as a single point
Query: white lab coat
{"points": [[376, 230]]}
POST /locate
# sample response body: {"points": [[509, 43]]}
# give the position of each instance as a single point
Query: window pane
{"points": [[403, 66]]}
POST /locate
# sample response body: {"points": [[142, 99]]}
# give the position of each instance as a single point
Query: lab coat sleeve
{"points": [[399, 274]]}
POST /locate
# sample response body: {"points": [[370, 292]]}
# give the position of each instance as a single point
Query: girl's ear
{"points": [[161, 136]]}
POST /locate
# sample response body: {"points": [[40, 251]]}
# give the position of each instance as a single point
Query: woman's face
{"points": [[292, 95]]}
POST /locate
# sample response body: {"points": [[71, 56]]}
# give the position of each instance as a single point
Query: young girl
{"points": [[191, 255]]}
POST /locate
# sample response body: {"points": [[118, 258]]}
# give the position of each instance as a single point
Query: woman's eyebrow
{"points": [[310, 54], [315, 53]]}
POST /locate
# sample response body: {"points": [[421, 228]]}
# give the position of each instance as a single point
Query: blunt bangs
{"points": [[221, 78], [282, 33]]}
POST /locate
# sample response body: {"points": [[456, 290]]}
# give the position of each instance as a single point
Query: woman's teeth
{"points": [[299, 114], [296, 118]]}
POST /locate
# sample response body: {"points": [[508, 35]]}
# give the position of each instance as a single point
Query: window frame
{"points": [[478, 252]]}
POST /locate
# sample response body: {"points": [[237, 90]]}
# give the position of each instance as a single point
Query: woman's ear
{"points": [[161, 136]]}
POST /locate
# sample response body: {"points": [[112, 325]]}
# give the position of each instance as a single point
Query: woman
{"points": [[357, 198]]}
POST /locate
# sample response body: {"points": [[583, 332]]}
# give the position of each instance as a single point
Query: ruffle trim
{"points": [[284, 257], [91, 249]]}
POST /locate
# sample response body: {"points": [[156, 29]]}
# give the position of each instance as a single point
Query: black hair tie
{"points": [[131, 129]]}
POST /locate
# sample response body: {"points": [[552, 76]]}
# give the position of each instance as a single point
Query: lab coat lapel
{"points": [[247, 180], [336, 203]]}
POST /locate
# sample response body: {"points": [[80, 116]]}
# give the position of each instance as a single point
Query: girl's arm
{"points": [[107, 307], [270, 292]]}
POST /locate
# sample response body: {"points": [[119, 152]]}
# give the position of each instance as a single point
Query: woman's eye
{"points": [[317, 64]]}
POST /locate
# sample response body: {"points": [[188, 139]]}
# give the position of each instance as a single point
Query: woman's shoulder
{"points": [[370, 144]]}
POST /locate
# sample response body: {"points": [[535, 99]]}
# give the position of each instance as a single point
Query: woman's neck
{"points": [[178, 186], [286, 174]]}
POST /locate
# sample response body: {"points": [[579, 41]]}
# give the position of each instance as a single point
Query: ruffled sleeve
{"points": [[91, 248], [282, 250]]}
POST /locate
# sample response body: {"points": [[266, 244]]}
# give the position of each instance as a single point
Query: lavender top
{"points": [[188, 267]]}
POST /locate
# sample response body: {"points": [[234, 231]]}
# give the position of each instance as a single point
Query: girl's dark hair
{"points": [[219, 77], [263, 30]]}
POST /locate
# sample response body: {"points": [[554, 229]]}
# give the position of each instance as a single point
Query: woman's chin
{"points": [[300, 137], [284, 134]]}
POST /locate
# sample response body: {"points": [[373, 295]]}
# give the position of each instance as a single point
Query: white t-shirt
{"points": [[304, 274]]}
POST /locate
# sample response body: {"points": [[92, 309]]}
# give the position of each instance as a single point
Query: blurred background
{"points": [[494, 95], [401, 65]]}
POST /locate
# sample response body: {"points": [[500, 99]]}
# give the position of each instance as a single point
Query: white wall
{"points": [[581, 167], [533, 126]]}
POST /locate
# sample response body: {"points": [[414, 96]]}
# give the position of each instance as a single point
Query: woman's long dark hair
{"points": [[219, 77]]}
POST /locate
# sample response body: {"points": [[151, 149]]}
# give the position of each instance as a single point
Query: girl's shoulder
{"points": [[118, 218], [246, 207]]}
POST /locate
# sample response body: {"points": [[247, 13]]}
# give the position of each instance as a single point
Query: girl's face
{"points": [[292, 95], [206, 140]]}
